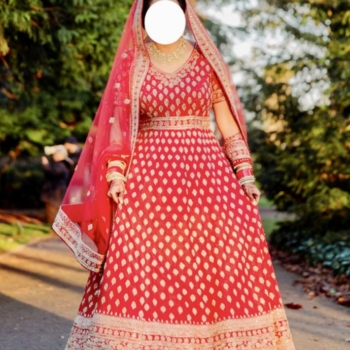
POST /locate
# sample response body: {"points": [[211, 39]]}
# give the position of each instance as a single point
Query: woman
{"points": [[184, 264]]}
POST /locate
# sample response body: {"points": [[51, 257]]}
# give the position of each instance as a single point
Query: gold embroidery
{"points": [[177, 92], [264, 332], [71, 235], [217, 95], [183, 122]]}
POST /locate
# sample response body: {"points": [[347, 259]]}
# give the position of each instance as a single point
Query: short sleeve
{"points": [[217, 94]]}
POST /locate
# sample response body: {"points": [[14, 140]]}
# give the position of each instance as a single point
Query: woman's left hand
{"points": [[252, 192]]}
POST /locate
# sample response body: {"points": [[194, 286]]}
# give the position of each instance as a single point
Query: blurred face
{"points": [[58, 156], [71, 147], [165, 21]]}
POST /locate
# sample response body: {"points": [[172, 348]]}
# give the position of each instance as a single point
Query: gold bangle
{"points": [[115, 176], [246, 180], [242, 166], [117, 163]]}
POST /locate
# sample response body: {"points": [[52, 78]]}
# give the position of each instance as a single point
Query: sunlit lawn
{"points": [[269, 224], [11, 236]]}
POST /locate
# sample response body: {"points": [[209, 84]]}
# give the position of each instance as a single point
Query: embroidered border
{"points": [[70, 233], [175, 123], [139, 71], [265, 332]]}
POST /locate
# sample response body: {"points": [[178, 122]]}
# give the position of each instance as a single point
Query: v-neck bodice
{"points": [[190, 90]]}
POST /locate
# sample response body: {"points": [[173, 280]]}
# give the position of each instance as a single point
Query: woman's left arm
{"points": [[236, 150], [224, 119]]}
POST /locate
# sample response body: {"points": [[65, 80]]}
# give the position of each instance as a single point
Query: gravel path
{"points": [[41, 286]]}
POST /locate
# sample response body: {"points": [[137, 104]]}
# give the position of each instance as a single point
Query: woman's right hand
{"points": [[117, 190]]}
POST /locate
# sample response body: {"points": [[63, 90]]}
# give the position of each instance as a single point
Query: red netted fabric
{"points": [[85, 217]]}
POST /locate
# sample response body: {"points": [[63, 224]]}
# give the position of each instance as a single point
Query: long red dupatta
{"points": [[84, 220]]}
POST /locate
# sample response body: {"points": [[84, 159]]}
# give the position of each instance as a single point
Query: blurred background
{"points": [[289, 60]]}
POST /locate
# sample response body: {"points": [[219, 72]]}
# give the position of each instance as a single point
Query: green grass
{"points": [[269, 225], [264, 202], [12, 236]]}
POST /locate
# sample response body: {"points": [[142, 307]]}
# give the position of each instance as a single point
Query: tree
{"points": [[55, 57], [299, 92]]}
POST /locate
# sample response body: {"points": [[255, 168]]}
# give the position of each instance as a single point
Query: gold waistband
{"points": [[174, 123]]}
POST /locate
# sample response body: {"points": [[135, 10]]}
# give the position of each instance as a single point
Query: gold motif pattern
{"points": [[188, 267], [187, 250]]}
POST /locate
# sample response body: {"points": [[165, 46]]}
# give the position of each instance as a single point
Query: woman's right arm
{"points": [[119, 162]]}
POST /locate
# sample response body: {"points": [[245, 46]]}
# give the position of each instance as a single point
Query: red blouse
{"points": [[191, 90]]}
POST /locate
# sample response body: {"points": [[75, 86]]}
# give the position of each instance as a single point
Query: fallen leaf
{"points": [[293, 306], [315, 281], [344, 301]]}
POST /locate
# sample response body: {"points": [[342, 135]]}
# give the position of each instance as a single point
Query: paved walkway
{"points": [[41, 286]]}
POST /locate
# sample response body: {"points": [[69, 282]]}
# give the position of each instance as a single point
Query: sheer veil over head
{"points": [[84, 220]]}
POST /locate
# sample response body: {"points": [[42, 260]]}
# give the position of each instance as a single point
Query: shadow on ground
{"points": [[41, 287], [27, 327]]}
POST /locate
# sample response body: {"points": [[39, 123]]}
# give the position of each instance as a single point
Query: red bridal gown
{"points": [[188, 265]]}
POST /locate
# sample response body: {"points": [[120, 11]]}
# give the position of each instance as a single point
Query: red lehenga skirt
{"points": [[188, 265]]}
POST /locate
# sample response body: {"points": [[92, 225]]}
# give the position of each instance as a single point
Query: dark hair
{"points": [[147, 3], [71, 139]]}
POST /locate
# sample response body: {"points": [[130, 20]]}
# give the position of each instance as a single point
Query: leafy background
{"points": [[55, 56]]}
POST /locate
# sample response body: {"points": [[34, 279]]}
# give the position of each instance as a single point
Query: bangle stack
{"points": [[238, 154], [115, 176], [115, 170], [117, 164]]}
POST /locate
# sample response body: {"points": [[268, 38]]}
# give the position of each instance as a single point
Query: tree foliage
{"points": [[55, 56], [300, 95]]}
